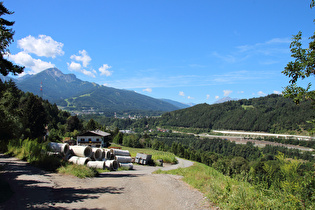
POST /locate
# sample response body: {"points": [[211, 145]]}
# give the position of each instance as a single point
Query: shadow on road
{"points": [[33, 189]]}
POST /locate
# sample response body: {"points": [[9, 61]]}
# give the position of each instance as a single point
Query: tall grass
{"points": [[33, 152], [228, 193]]}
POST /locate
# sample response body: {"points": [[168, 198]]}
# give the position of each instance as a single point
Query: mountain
{"points": [[272, 113], [176, 103], [56, 86], [107, 99], [225, 99], [4, 79], [71, 93]]}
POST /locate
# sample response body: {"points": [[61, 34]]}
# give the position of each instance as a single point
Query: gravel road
{"points": [[133, 189]]}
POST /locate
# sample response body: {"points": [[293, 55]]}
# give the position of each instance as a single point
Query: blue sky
{"points": [[187, 51]]}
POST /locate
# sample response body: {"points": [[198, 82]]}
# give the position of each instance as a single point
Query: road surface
{"points": [[133, 189]]}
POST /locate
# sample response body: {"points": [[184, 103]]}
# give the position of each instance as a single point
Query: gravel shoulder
{"points": [[133, 189]]}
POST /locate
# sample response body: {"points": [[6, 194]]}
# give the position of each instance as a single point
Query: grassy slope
{"points": [[225, 192]]}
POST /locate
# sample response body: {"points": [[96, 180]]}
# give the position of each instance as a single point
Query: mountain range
{"points": [[73, 94]]}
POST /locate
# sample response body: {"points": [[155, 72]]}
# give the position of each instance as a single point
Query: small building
{"points": [[95, 138]]}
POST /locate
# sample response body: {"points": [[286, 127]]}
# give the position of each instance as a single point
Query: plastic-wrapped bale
{"points": [[82, 151], [96, 164], [129, 166], [143, 159], [111, 165], [62, 148], [123, 159], [79, 160], [120, 152], [97, 154]]}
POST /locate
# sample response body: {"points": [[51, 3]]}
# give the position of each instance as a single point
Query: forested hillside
{"points": [[272, 113], [109, 100]]}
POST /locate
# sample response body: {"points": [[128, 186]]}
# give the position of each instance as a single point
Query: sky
{"points": [[184, 50]]}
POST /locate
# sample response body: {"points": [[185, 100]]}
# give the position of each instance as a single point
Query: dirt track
{"points": [[134, 189]]}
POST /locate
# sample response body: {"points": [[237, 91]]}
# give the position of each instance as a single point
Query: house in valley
{"points": [[95, 138]]}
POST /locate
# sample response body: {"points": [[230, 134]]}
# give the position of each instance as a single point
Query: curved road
{"points": [[134, 189]]}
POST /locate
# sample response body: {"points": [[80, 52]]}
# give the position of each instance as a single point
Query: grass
{"points": [[247, 107], [167, 157], [81, 171], [226, 192], [34, 153]]}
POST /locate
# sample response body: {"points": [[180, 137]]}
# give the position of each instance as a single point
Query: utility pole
{"points": [[41, 89]]}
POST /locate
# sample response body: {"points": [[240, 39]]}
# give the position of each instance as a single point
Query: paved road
{"points": [[134, 189]]}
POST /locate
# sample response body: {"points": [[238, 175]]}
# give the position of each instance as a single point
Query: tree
{"points": [[34, 117], [91, 125], [302, 67], [73, 123], [6, 37]]}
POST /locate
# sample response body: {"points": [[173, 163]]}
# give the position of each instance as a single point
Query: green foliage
{"points": [[132, 141], [34, 116], [33, 152], [225, 192], [74, 123], [92, 125], [24, 115], [300, 68], [81, 171], [273, 113], [6, 37], [118, 139], [110, 100]]}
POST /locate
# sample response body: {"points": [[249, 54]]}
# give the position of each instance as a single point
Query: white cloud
{"points": [[260, 93], [181, 93], [74, 66], [41, 46], [83, 57], [189, 97], [227, 92], [217, 97], [88, 73], [208, 96], [104, 70], [149, 90], [277, 92], [240, 91], [36, 65]]}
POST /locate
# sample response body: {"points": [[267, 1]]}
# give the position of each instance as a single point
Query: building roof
{"points": [[95, 133]]}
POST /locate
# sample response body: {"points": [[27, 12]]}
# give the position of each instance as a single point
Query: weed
{"points": [[81, 171]]}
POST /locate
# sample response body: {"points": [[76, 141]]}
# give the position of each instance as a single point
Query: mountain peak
{"points": [[57, 74]]}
